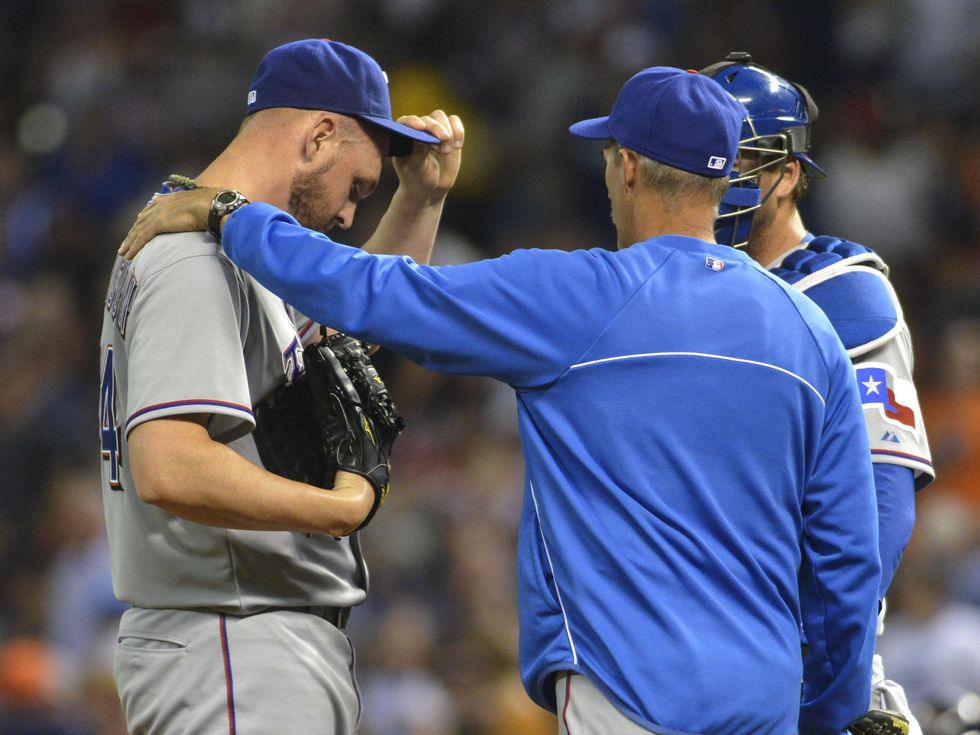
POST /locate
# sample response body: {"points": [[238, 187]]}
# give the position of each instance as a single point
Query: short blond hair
{"points": [[676, 186]]}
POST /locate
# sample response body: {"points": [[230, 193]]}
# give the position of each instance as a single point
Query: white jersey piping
{"points": [[551, 566], [617, 358]]}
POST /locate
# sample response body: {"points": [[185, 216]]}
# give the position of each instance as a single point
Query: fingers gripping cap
{"points": [[317, 74], [676, 117]]}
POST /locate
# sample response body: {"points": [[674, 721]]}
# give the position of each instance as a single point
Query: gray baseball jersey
{"points": [[185, 331]]}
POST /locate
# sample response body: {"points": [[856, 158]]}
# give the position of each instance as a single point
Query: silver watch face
{"points": [[226, 198], [224, 203]]}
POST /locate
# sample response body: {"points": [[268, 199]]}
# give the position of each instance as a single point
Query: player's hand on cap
{"points": [[430, 170], [182, 211]]}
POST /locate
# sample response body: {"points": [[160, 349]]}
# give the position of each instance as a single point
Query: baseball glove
{"points": [[337, 415], [879, 722]]}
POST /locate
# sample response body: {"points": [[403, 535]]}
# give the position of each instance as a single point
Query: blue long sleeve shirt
{"points": [[697, 484]]}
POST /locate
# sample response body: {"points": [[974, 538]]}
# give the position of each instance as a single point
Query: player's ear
{"points": [[791, 177], [322, 132], [630, 166]]}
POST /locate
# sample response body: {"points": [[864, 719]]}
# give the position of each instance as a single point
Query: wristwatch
{"points": [[224, 202]]}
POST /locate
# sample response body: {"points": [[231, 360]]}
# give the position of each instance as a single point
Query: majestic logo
{"points": [[713, 264], [891, 436], [717, 162], [893, 397]]}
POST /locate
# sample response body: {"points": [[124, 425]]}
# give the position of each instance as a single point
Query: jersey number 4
{"points": [[107, 416]]}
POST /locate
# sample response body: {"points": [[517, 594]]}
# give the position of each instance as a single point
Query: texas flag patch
{"points": [[894, 398]]}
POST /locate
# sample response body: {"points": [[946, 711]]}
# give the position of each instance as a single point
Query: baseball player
{"points": [[850, 283], [241, 580], [691, 430]]}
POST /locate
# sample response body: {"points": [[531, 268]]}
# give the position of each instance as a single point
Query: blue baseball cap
{"points": [[676, 117], [318, 74]]}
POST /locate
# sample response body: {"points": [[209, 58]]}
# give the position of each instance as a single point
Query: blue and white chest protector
{"points": [[697, 483]]}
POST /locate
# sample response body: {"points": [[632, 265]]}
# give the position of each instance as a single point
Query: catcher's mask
{"points": [[777, 129]]}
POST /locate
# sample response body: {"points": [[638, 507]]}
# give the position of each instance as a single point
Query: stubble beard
{"points": [[304, 192], [759, 232]]}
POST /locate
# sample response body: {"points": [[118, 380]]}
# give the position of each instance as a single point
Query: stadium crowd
{"points": [[94, 94]]}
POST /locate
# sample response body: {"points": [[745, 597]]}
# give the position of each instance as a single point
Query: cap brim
{"points": [[811, 166], [596, 128], [403, 137]]}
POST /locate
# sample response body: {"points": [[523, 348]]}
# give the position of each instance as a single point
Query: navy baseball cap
{"points": [[318, 74], [676, 117]]}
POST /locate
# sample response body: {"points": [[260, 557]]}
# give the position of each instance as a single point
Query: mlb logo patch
{"points": [[713, 264], [251, 97], [717, 162]]}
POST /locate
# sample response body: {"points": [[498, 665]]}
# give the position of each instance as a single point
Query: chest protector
{"points": [[849, 283]]}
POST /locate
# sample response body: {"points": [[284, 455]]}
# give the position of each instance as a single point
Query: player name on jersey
{"points": [[122, 290]]}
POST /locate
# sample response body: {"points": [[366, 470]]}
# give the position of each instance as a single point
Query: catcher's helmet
{"points": [[777, 128]]}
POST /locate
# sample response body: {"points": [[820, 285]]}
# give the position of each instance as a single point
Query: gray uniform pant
{"points": [[885, 693], [584, 710], [183, 672]]}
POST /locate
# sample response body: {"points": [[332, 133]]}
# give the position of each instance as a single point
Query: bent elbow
{"points": [[164, 458], [153, 488]]}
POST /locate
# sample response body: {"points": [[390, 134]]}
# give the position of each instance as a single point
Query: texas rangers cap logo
{"points": [[893, 397]]}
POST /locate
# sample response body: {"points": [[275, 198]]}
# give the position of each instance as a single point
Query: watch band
{"points": [[225, 202]]}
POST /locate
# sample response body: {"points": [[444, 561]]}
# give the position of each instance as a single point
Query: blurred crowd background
{"points": [[103, 99]]}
